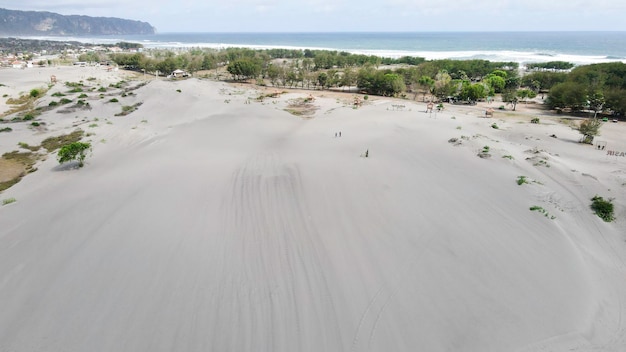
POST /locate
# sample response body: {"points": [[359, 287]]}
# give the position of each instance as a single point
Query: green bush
{"points": [[102, 89], [82, 96], [602, 208], [521, 180], [28, 117], [34, 93], [73, 151], [53, 103], [114, 100], [6, 129], [494, 126], [58, 94], [534, 120], [65, 101]]}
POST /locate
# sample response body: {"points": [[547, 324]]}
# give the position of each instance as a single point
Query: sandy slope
{"points": [[202, 223]]}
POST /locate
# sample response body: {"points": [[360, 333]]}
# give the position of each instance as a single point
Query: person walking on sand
{"points": [[339, 133]]}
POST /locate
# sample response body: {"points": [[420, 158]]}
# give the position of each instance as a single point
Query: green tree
{"points": [[568, 95], [244, 68], [442, 85], [510, 97], [427, 84], [524, 94], [73, 151], [589, 129], [322, 79], [596, 102]]}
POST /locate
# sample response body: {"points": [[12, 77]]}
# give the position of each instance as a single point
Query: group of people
{"points": [[338, 134]]}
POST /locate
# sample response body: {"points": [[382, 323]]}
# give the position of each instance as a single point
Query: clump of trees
{"points": [[595, 88], [600, 88]]}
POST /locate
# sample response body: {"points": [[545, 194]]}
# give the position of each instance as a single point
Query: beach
{"points": [[210, 220]]}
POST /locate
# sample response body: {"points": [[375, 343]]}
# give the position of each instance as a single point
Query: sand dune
{"points": [[205, 223]]}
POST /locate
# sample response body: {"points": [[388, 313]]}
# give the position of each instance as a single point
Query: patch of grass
{"points": [[75, 90], [35, 124], [458, 127], [93, 125], [542, 211], [102, 89], [82, 96], [53, 103], [495, 126], [484, 153], [53, 143], [65, 101], [603, 208], [8, 201], [28, 159], [91, 78], [178, 90], [25, 102], [6, 129], [114, 100], [127, 109], [28, 117], [534, 120], [118, 85], [521, 180], [510, 157], [58, 94], [29, 147], [74, 84]]}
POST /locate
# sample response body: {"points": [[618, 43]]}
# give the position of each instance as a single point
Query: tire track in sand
{"points": [[273, 265]]}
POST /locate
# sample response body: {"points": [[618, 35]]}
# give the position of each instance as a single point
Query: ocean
{"points": [[523, 47]]}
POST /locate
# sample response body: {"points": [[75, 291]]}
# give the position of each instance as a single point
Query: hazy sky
{"points": [[349, 15]]}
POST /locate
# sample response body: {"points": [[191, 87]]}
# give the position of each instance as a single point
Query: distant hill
{"points": [[14, 22]]}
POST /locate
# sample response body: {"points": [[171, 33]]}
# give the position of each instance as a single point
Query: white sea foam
{"points": [[521, 57]]}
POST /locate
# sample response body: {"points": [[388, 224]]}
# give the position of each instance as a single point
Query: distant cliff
{"points": [[13, 22]]}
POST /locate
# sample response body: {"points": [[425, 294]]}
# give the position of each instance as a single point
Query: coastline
{"points": [[521, 47], [210, 220]]}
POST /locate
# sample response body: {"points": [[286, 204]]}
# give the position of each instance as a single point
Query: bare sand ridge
{"points": [[208, 221]]}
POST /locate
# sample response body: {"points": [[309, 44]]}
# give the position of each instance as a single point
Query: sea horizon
{"points": [[578, 47]]}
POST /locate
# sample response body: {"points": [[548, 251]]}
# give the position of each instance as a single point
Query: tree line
{"points": [[598, 87]]}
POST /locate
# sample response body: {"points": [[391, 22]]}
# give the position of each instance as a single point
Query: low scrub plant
{"points": [[521, 180], [542, 211], [8, 201], [603, 208]]}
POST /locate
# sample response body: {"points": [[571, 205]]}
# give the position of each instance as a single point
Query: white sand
{"points": [[202, 223]]}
